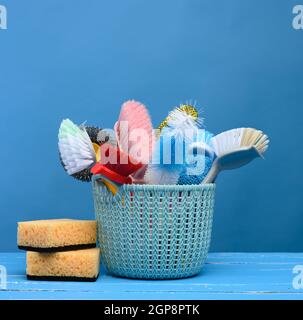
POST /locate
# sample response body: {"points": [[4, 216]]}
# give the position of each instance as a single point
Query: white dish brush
{"points": [[75, 146], [235, 148]]}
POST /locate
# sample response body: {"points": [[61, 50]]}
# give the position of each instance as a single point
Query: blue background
{"points": [[240, 59]]}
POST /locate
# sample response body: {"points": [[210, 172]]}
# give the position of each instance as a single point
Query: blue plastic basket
{"points": [[154, 232]]}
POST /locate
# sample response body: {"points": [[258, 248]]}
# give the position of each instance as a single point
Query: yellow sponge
{"points": [[76, 265], [57, 235]]}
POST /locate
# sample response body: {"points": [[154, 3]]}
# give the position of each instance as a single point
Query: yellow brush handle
{"points": [[112, 188], [97, 152]]}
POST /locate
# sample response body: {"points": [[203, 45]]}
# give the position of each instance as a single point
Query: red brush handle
{"points": [[99, 168]]}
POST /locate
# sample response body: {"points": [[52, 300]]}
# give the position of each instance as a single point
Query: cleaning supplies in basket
{"points": [[182, 152], [146, 226]]}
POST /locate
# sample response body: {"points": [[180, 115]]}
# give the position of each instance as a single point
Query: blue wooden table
{"points": [[225, 276]]}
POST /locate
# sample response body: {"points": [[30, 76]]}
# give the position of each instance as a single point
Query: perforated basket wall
{"points": [[154, 232]]}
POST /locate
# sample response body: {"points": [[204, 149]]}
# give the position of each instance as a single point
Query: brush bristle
{"points": [[76, 153], [76, 149], [256, 138], [234, 139], [179, 119], [187, 110], [181, 126], [137, 117], [155, 174], [178, 130]]}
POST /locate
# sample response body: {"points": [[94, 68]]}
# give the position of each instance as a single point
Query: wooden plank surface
{"points": [[225, 276]]}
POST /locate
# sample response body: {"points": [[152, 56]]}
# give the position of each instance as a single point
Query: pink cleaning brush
{"points": [[135, 133]]}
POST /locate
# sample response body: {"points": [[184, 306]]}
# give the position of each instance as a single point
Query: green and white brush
{"points": [[236, 148], [79, 148]]}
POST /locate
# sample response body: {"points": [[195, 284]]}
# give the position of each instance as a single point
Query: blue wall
{"points": [[240, 59]]}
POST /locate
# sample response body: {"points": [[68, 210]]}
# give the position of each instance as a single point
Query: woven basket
{"points": [[154, 232]]}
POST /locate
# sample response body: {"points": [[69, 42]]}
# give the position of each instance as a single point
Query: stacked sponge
{"points": [[60, 249]]}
